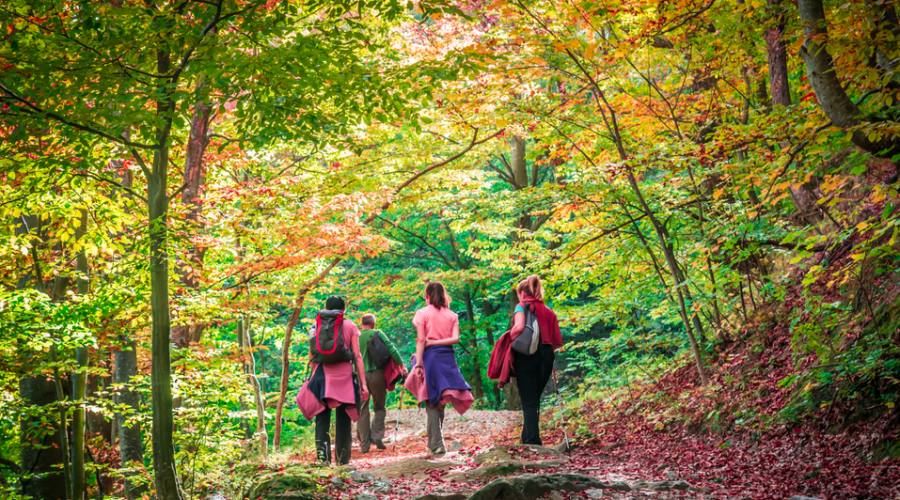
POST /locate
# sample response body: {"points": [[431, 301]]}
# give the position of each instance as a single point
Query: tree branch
{"points": [[80, 126]]}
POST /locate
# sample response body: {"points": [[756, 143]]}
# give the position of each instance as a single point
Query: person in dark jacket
{"points": [[371, 431], [533, 371]]}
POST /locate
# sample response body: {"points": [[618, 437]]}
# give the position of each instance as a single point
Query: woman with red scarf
{"points": [[533, 370]]}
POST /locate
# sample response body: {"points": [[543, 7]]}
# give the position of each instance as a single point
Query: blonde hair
{"points": [[532, 287]]}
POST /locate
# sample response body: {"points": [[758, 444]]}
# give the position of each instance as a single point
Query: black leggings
{"points": [[341, 439], [532, 373]]}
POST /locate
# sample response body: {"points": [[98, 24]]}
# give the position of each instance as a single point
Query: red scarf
{"points": [[550, 333]]}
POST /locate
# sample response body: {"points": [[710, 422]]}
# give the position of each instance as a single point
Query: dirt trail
{"points": [[484, 462], [405, 434]]}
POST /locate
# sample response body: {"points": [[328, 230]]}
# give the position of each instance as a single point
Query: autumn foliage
{"points": [[708, 190]]}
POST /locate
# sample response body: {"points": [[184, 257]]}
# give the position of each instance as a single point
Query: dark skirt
{"points": [[442, 373]]}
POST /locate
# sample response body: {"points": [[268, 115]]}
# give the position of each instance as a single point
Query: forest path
{"points": [[484, 462]]}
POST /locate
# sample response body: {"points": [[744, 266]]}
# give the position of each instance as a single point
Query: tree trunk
{"points": [[63, 423], [488, 309], [701, 213], [777, 56], [194, 179], [825, 82], [884, 38], [286, 346], [285, 367], [511, 392], [477, 385], [131, 445], [259, 400], [462, 264], [41, 456], [520, 171], [79, 379], [520, 181], [161, 375], [820, 66]]}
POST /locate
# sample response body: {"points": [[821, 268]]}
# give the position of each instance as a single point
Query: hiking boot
{"points": [[364, 450], [380, 445], [438, 452]]}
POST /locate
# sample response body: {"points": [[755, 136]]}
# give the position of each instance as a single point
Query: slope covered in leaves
{"points": [[768, 425]]}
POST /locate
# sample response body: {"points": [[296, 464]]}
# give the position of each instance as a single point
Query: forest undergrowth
{"points": [[772, 421]]}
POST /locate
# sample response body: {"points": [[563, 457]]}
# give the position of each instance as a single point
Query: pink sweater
{"points": [[437, 323]]}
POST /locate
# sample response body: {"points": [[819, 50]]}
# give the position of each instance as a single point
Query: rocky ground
{"points": [[483, 462]]}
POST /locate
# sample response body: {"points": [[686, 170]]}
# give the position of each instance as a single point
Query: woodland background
{"points": [[708, 189]]}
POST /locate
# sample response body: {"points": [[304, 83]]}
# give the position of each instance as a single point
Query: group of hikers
{"points": [[339, 351]]}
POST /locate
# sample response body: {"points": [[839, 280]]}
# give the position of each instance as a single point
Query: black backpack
{"points": [[378, 351], [327, 343]]}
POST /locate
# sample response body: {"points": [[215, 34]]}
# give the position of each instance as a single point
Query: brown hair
{"points": [[368, 320], [437, 295], [531, 286]]}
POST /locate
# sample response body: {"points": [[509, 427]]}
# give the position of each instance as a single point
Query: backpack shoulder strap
{"points": [[318, 331], [340, 339]]}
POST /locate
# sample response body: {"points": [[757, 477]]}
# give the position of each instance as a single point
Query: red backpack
{"points": [[327, 343]]}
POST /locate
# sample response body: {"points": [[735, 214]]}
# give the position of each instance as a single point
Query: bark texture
{"points": [[131, 445], [779, 87], [79, 379], [194, 180], [823, 77], [161, 373]]}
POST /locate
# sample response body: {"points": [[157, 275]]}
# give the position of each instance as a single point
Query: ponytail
{"points": [[437, 295], [531, 286]]}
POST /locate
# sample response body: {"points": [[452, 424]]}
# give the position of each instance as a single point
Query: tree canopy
{"points": [[185, 181]]}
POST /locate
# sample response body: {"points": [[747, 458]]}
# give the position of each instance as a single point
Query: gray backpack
{"points": [[528, 341]]}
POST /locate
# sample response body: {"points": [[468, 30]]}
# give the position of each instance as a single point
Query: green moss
{"points": [[290, 482]]}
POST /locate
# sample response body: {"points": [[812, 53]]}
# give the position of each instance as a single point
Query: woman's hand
{"points": [[364, 394], [447, 341]]}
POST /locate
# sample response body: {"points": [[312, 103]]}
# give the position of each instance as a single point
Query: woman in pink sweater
{"points": [[437, 330]]}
